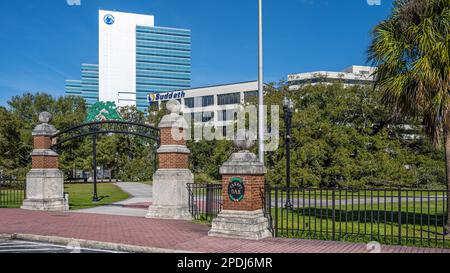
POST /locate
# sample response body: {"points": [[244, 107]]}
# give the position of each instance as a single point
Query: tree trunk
{"points": [[447, 174]]}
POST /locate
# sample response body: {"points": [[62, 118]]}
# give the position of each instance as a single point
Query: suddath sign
{"points": [[157, 97]]}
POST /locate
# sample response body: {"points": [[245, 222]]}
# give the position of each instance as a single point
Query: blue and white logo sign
{"points": [[156, 97], [109, 19]]}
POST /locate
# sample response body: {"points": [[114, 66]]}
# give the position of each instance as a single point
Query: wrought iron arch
{"points": [[101, 128], [106, 127]]}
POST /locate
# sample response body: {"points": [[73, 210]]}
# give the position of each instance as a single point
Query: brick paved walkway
{"points": [[168, 234]]}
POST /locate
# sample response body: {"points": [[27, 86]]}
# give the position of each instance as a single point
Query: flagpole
{"points": [[261, 130]]}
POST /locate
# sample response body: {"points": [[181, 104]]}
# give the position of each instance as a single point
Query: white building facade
{"points": [[117, 55], [217, 105], [354, 75]]}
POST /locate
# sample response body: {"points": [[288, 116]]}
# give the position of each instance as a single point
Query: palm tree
{"points": [[411, 51]]}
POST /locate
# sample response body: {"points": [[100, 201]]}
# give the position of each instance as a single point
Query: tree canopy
{"points": [[341, 136]]}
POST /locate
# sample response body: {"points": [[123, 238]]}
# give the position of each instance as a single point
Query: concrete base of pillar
{"points": [[45, 190], [45, 205], [170, 194], [241, 225], [175, 213]]}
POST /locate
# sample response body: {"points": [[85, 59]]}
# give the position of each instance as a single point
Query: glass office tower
{"points": [[73, 88], [87, 88], [89, 83], [135, 58], [163, 61]]}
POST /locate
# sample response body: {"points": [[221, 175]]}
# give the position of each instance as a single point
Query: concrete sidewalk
{"points": [[141, 193], [166, 234], [142, 196]]}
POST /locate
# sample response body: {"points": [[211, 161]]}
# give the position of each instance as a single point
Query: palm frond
{"points": [[411, 51]]}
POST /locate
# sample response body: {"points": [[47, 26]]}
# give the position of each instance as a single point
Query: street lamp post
{"points": [[94, 129], [288, 106], [260, 84], [94, 166]]}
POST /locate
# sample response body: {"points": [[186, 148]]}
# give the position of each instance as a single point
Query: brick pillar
{"points": [[243, 188], [45, 182], [170, 194]]}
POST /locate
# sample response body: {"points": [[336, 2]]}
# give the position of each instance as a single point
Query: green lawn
{"points": [[11, 198], [80, 195], [421, 225], [348, 194]]}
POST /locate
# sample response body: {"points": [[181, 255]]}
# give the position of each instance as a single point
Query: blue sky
{"points": [[44, 42]]}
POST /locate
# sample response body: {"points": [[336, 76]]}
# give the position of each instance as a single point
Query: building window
{"points": [[331, 81], [189, 102], [200, 117], [227, 99], [208, 116], [207, 101], [197, 117], [199, 102], [227, 115], [227, 130], [248, 96]]}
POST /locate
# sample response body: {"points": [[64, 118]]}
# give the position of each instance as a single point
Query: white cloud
{"points": [[374, 2], [73, 2]]}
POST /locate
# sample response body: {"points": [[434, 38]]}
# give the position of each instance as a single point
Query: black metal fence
{"points": [[12, 192], [205, 201], [389, 216]]}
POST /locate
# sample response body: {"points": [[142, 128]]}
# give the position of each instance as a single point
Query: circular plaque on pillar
{"points": [[236, 190]]}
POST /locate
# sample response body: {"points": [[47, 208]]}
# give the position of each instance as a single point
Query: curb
{"points": [[89, 244], [5, 237]]}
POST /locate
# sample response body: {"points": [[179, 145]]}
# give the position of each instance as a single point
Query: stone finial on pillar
{"points": [[243, 185], [170, 194], [45, 182]]}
